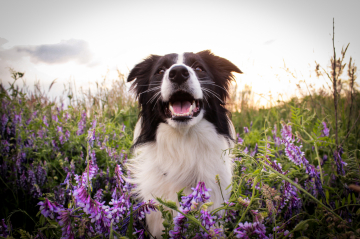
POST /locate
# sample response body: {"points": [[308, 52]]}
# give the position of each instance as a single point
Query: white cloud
{"points": [[59, 53]]}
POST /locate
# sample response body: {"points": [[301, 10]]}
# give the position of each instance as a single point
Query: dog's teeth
{"points": [[171, 108], [193, 105], [190, 110]]}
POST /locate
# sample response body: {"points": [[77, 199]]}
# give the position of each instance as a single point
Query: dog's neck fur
{"points": [[180, 159]]}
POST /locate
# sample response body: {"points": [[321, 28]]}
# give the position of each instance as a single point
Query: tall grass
{"points": [[296, 165]]}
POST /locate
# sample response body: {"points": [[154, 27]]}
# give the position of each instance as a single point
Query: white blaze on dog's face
{"points": [[180, 90]]}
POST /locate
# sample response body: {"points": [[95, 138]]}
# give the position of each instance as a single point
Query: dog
{"points": [[183, 127]]}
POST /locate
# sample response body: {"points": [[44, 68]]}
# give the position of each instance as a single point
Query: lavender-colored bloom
{"points": [[41, 175], [5, 146], [239, 139], [50, 209], [4, 232], [123, 128], [93, 124], [45, 121], [325, 131], [246, 130], [65, 223], [249, 230], [4, 120], [17, 118], [59, 129], [200, 194], [144, 208], [99, 195], [253, 153], [246, 150], [207, 221], [62, 139], [340, 164], [91, 137], [55, 118], [180, 226], [53, 142], [66, 116], [324, 159], [82, 123], [67, 135]]}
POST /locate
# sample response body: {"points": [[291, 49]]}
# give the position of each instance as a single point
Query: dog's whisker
{"points": [[156, 102], [205, 97], [151, 89], [214, 85], [153, 97], [213, 93]]}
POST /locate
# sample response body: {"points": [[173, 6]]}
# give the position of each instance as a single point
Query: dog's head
{"points": [[182, 89]]}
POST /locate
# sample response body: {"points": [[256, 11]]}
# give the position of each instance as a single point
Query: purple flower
{"points": [[67, 135], [55, 118], [65, 223], [253, 153], [45, 121], [17, 118], [50, 209], [4, 232], [249, 230], [200, 194], [246, 130], [82, 123], [144, 208], [99, 195], [239, 139], [340, 164], [4, 120], [325, 131], [91, 137]]}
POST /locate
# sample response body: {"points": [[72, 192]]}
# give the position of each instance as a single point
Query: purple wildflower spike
{"points": [[325, 131], [65, 223], [50, 209], [82, 123], [246, 130], [249, 230], [4, 232]]}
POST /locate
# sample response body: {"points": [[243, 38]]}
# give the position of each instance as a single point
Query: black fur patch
{"points": [[215, 78]]}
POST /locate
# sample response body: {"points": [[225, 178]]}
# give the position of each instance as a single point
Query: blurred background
{"points": [[275, 43]]}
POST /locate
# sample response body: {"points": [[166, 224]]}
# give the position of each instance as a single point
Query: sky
{"points": [[85, 40]]}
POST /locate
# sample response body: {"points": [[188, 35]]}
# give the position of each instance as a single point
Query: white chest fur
{"points": [[180, 159]]}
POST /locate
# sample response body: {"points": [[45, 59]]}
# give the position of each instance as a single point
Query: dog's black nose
{"points": [[178, 74]]}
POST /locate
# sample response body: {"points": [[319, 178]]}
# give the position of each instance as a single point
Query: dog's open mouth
{"points": [[182, 106]]}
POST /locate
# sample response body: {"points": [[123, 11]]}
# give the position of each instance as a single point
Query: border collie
{"points": [[183, 127]]}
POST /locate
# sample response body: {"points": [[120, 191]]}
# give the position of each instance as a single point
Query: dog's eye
{"points": [[199, 68], [160, 71]]}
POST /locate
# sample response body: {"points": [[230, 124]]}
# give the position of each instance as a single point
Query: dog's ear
{"points": [[219, 63], [221, 69], [141, 74]]}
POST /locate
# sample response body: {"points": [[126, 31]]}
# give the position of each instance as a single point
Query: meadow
{"points": [[296, 166]]}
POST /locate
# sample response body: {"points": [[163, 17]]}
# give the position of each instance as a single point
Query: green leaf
{"points": [[170, 204], [180, 194], [343, 202], [353, 198], [337, 203], [327, 196], [349, 199]]}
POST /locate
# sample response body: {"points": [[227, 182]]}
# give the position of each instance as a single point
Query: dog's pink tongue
{"points": [[181, 107]]}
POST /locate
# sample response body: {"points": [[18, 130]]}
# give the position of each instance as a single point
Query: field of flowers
{"points": [[63, 173]]}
